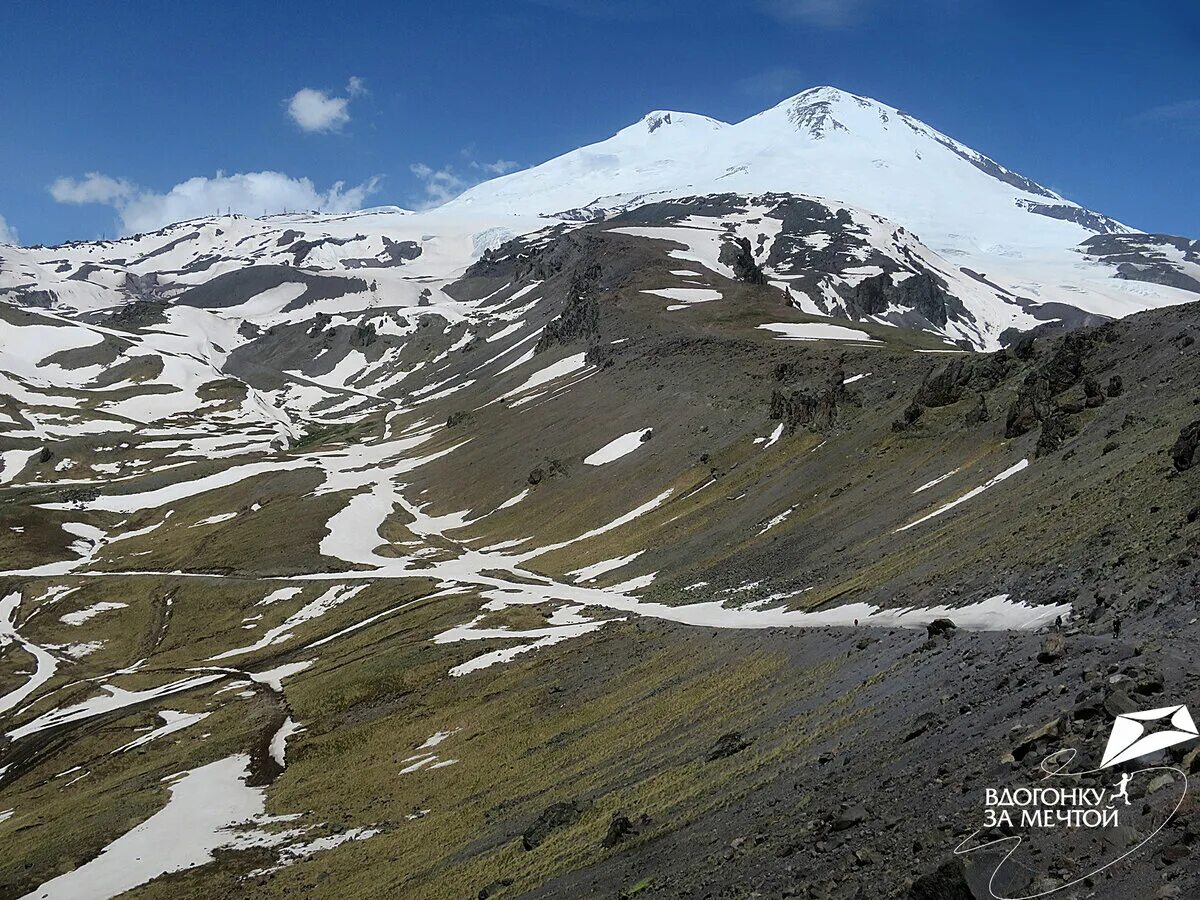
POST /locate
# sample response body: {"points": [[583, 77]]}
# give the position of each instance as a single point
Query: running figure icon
{"points": [[1122, 790]]}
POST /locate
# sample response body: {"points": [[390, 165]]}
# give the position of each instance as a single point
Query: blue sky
{"points": [[1099, 100]]}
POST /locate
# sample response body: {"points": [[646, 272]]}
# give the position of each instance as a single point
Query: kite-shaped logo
{"points": [[1130, 738]]}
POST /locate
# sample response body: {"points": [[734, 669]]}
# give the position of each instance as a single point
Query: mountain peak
{"points": [[662, 118], [824, 109], [824, 92]]}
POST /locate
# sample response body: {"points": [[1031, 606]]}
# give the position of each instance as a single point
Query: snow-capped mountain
{"points": [[1011, 252], [823, 142]]}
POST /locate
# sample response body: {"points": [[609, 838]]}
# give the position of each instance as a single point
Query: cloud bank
{"points": [[249, 193]]}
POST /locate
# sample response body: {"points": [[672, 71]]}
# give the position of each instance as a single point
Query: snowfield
{"points": [[617, 448]]}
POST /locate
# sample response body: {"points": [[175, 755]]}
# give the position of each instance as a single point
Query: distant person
{"points": [[1116, 626]]}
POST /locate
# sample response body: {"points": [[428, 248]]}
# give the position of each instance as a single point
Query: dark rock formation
{"points": [[727, 745], [739, 256], [813, 407], [579, 319], [1089, 219], [939, 627], [951, 382], [494, 889], [1053, 648], [554, 816], [849, 817], [1057, 429], [364, 335], [301, 249], [240, 285], [1036, 402], [977, 414], [947, 882], [909, 417], [873, 296], [1139, 257], [619, 828], [550, 469], [139, 313], [1184, 452]]}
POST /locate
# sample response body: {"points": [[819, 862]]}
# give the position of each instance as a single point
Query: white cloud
{"points": [[91, 188], [8, 234], [440, 185], [249, 193], [318, 112], [446, 183], [499, 167]]}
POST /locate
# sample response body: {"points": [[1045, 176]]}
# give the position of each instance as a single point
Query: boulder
{"points": [[849, 817], [947, 882], [619, 828], [727, 745], [939, 627], [1053, 649], [1184, 451], [553, 817]]}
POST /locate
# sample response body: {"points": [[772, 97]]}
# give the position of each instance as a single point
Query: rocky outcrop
{"points": [[1088, 218], [364, 335], [580, 316], [238, 286], [139, 314], [739, 256], [1184, 452], [952, 382], [815, 407], [947, 882], [301, 249], [1037, 401], [920, 292], [145, 287], [1140, 257], [912, 413], [1057, 429], [552, 818], [619, 829], [1053, 648], [727, 745], [550, 469], [805, 409], [977, 414]]}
